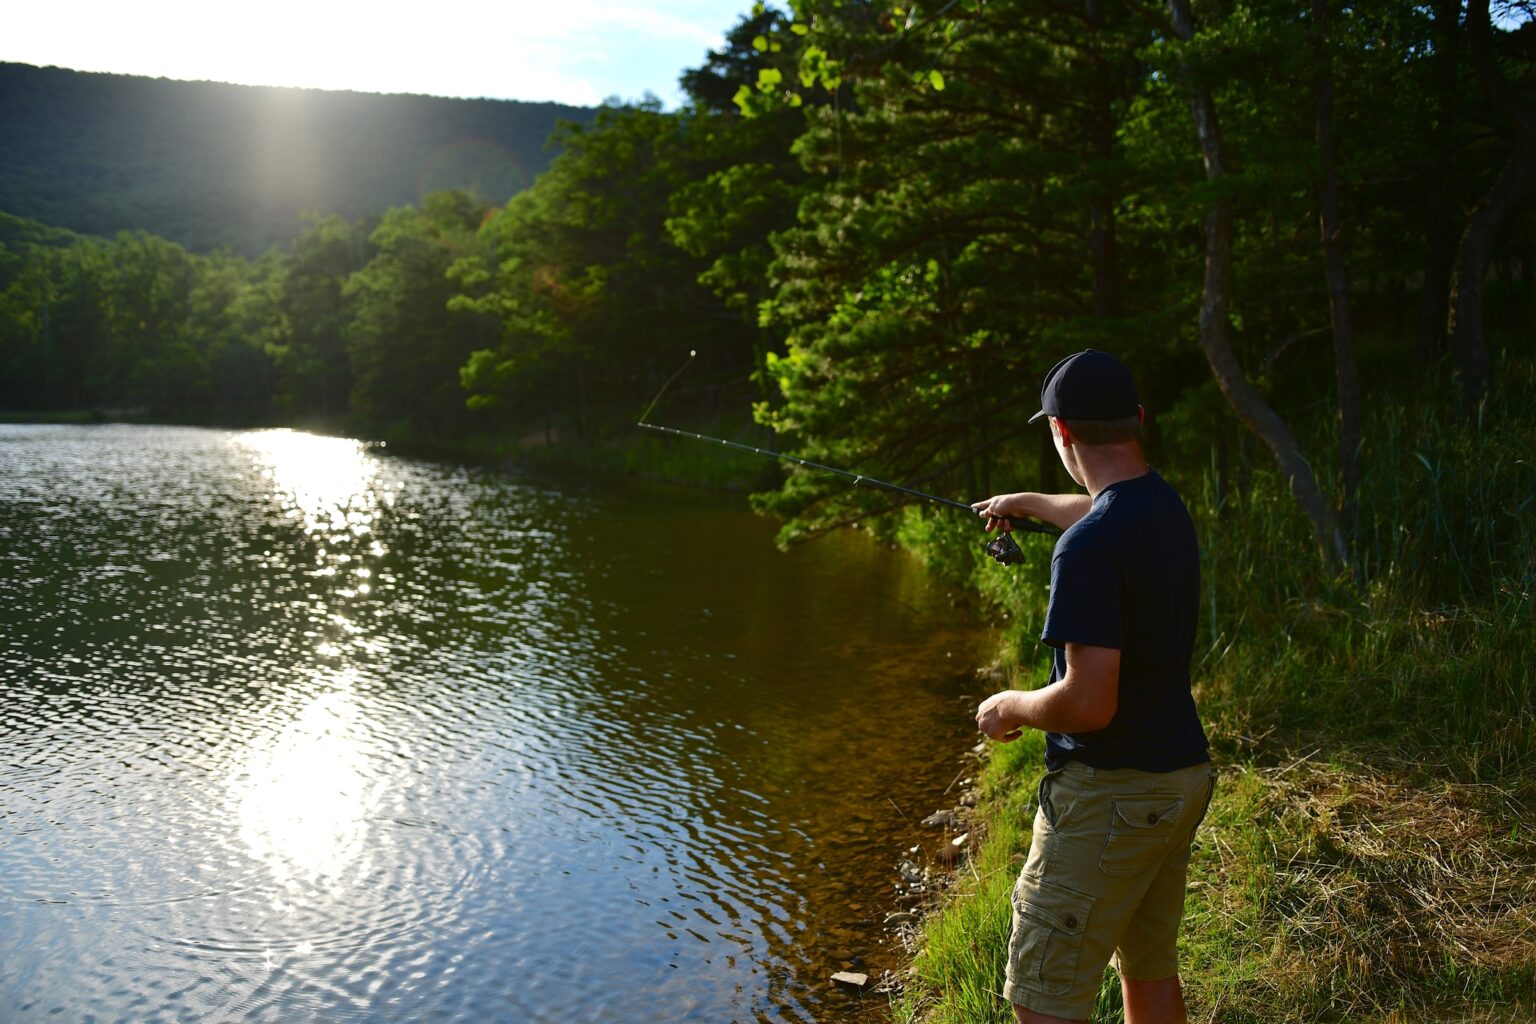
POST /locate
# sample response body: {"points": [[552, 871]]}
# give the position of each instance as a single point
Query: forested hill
{"points": [[212, 165]]}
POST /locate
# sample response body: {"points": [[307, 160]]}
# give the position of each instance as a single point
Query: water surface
{"points": [[291, 729]]}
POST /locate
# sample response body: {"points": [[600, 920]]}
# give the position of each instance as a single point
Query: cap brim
{"points": [[1039, 415]]}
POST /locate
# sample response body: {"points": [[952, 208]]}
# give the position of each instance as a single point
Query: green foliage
{"points": [[404, 342], [314, 375], [1050, 197], [943, 261], [595, 273], [750, 47], [1436, 640]]}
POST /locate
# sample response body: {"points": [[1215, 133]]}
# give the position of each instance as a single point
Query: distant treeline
{"points": [[210, 165], [882, 226]]}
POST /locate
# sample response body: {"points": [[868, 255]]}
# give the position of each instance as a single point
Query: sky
{"points": [[569, 51]]}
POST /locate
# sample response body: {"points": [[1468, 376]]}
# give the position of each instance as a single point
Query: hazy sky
{"points": [[573, 51]]}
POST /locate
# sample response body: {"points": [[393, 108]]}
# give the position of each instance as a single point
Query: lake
{"points": [[294, 729]]}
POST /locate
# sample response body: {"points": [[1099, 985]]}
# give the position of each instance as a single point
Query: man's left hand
{"points": [[998, 717]]}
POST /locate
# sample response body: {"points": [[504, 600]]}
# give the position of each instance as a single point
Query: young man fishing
{"points": [[1128, 775]]}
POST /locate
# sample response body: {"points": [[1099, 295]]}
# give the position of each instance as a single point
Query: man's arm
{"points": [[1060, 510], [1085, 700]]}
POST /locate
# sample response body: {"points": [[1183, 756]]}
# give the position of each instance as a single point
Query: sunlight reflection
{"points": [[329, 482], [303, 798]]}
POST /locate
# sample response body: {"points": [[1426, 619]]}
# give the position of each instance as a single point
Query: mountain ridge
{"points": [[215, 165]]}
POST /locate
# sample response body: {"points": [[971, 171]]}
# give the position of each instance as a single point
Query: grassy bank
{"points": [[1371, 851]]}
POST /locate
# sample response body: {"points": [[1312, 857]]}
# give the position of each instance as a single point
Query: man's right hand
{"points": [[999, 507], [1060, 510]]}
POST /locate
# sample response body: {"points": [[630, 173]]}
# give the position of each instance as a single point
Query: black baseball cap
{"points": [[1088, 385]]}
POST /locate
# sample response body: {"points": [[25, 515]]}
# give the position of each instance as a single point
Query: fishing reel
{"points": [[1004, 550]]}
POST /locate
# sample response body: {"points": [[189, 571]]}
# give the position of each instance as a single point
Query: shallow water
{"points": [[296, 730]]}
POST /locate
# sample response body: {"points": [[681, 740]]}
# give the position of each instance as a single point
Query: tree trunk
{"points": [[1441, 212], [1469, 347], [1434, 300], [1345, 371], [1101, 240], [1101, 207], [1214, 323]]}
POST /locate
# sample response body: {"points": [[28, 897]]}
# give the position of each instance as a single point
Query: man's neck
{"points": [[1106, 465]]}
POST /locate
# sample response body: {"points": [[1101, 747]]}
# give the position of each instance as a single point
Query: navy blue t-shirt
{"points": [[1127, 576]]}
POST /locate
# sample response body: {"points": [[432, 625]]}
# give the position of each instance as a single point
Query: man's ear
{"points": [[1063, 431]]}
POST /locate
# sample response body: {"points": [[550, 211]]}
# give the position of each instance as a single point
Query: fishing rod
{"points": [[1002, 548]]}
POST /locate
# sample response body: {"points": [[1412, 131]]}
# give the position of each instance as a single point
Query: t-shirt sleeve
{"points": [[1085, 600]]}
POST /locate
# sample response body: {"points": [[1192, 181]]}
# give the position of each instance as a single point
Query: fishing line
{"points": [[1002, 548], [686, 363]]}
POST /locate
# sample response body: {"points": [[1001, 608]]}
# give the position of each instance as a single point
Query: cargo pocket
{"points": [[1139, 831], [1056, 796], [1043, 798], [1048, 923]]}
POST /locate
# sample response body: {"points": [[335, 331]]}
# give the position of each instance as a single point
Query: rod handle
{"points": [[1031, 526]]}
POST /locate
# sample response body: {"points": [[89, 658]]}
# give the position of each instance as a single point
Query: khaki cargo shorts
{"points": [[1105, 877]]}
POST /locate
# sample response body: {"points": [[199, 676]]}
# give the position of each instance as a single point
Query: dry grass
{"points": [[1364, 894]]}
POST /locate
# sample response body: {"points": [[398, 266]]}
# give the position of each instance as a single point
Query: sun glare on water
{"points": [[303, 798], [328, 482], [302, 794]]}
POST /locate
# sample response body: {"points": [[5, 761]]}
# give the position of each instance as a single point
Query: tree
{"points": [[727, 218], [1215, 338], [154, 364], [1330, 227], [55, 345], [1468, 345], [314, 376], [592, 295], [964, 235], [1442, 106], [404, 342], [237, 323]]}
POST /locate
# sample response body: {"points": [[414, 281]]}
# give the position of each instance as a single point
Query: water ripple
{"points": [[294, 730]]}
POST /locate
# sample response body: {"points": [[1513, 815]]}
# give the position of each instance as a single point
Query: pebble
{"points": [[857, 980]]}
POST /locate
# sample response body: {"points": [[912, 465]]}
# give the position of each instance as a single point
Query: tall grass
{"points": [[1429, 646]]}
